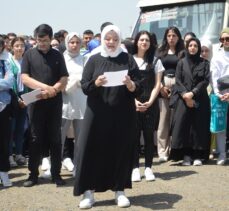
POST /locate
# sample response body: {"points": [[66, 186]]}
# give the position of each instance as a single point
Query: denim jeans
{"points": [[18, 130]]}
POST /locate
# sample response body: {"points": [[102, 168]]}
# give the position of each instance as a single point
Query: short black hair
{"points": [[88, 31], [4, 36], [62, 32], [104, 25], [11, 34], [43, 30]]}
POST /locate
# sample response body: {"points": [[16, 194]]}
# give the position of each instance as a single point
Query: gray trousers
{"points": [[221, 143]]}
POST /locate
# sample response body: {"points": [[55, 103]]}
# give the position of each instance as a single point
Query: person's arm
{"points": [[61, 84], [7, 82], [215, 75], [179, 70], [89, 83], [202, 85], [155, 90], [130, 85], [133, 80], [183, 92], [47, 91]]}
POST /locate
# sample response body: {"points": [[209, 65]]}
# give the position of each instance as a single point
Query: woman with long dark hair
{"points": [[169, 52], [147, 106], [19, 120]]}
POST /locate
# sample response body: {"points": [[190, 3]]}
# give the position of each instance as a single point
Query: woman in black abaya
{"points": [[191, 121], [106, 141]]}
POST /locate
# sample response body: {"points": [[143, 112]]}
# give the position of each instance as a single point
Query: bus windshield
{"points": [[205, 20]]}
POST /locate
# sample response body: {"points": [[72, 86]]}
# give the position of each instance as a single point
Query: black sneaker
{"points": [[59, 181], [30, 182]]}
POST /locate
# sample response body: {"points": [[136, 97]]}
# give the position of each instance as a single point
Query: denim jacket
{"points": [[6, 83]]}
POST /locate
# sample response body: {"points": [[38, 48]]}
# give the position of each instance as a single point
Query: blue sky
{"points": [[23, 16]]}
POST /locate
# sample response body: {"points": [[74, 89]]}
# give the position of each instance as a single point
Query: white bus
{"points": [[205, 18]]}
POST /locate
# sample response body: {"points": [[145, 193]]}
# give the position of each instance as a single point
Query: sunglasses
{"points": [[223, 39]]}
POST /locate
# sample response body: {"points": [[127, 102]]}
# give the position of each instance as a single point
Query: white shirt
{"points": [[74, 100], [219, 67], [142, 65]]}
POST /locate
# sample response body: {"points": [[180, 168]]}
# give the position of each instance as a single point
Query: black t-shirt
{"points": [[47, 68], [170, 63]]}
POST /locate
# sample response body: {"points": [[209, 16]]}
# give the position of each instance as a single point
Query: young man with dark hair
{"points": [[44, 68], [60, 36], [87, 37]]}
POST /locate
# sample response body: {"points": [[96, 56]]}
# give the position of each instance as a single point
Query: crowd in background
{"points": [[79, 124]]}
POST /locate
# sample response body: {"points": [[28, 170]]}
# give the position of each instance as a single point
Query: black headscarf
{"points": [[193, 59]]}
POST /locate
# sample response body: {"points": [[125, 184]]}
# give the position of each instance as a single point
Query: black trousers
{"points": [[148, 135], [45, 122], [5, 133]]}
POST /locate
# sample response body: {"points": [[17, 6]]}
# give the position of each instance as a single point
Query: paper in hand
{"points": [[31, 97], [115, 78]]}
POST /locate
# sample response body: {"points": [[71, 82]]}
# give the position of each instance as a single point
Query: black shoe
{"points": [[59, 181], [30, 182]]}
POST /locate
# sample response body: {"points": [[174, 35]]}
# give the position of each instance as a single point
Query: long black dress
{"points": [[190, 126], [107, 138]]}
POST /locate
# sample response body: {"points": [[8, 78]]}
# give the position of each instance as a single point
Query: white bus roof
{"points": [[146, 3]]}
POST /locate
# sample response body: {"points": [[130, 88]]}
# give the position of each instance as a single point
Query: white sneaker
{"points": [[46, 174], [197, 162], [5, 179], [211, 156], [88, 200], [186, 161], [67, 164], [136, 176], [163, 159], [149, 174], [222, 159], [121, 199], [12, 161], [45, 164]]}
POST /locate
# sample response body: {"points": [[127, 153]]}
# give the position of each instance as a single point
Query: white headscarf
{"points": [[67, 39], [207, 43], [104, 51]]}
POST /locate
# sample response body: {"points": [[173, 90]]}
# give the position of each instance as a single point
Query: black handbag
{"points": [[223, 82]]}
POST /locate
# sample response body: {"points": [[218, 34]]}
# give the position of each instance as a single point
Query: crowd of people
{"points": [[169, 100]]}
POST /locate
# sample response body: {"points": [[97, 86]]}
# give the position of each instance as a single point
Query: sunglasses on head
{"points": [[222, 39]]}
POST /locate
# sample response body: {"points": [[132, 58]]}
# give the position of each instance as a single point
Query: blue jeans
{"points": [[18, 130]]}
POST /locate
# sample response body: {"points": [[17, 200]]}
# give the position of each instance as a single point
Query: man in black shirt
{"points": [[44, 68]]}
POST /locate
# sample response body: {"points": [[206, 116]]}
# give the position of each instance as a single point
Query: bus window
{"points": [[205, 20]]}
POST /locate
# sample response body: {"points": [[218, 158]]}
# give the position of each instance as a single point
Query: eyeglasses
{"points": [[43, 41], [223, 39]]}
